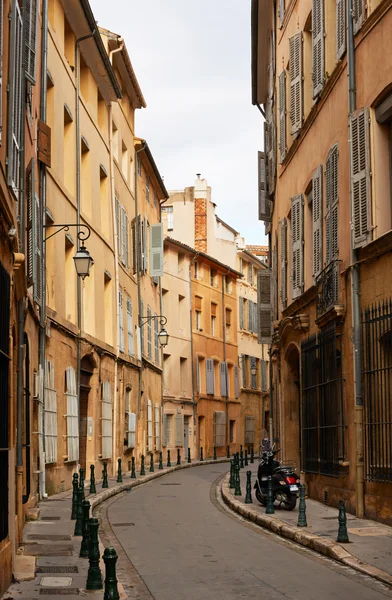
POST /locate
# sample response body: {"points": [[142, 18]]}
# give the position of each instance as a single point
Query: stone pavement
{"points": [[370, 547], [48, 562]]}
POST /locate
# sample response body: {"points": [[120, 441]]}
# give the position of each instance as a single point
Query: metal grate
{"points": [[171, 483], [50, 518], [123, 524], [59, 591], [57, 570], [327, 288], [49, 537]]}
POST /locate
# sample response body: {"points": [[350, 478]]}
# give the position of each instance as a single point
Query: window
{"points": [[168, 429], [198, 320], [124, 161], [253, 377], [16, 102], [104, 200], [72, 416], [149, 332], [155, 198], [242, 307], [157, 426], [122, 234], [106, 420], [183, 375], [318, 68], [115, 141], [130, 422], [156, 339], [297, 245], [147, 188], [181, 258], [198, 382], [250, 274], [196, 270], [244, 367], [212, 277], [167, 213], [31, 22], [223, 379], [131, 346], [213, 320], [236, 383], [228, 323], [228, 285], [179, 438], [198, 305], [210, 376], [50, 408], [120, 322], [149, 426], [249, 430], [232, 432], [219, 428]]}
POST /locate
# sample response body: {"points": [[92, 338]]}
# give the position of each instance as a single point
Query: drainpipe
{"points": [[139, 291], [355, 290], [116, 277], [78, 202], [194, 259], [42, 195]]}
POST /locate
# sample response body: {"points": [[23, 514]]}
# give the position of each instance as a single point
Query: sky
{"points": [[192, 60]]}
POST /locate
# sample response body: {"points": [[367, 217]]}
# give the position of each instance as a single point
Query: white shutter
{"points": [[358, 14], [157, 425], [16, 102], [156, 250], [264, 306], [296, 99], [219, 428], [210, 376], [149, 425], [318, 68], [132, 430], [179, 430], [297, 245], [106, 420], [236, 383], [1, 66], [120, 322], [50, 415], [360, 176], [331, 212], [72, 416], [131, 346], [223, 379], [283, 263], [264, 201], [249, 430], [317, 220], [340, 28], [282, 115]]}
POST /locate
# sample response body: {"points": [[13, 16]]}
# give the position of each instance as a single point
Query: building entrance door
{"points": [[86, 370], [4, 395], [186, 434]]}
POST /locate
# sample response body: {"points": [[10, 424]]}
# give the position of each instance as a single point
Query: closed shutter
{"points": [[31, 224], [318, 69], [297, 245], [16, 102], [37, 250], [72, 416], [126, 238], [264, 201], [179, 431], [236, 383], [198, 386], [340, 28], [253, 377], [317, 220], [219, 428], [131, 345], [134, 246], [31, 24], [241, 301], [255, 318], [263, 371], [283, 263], [122, 235], [243, 368], [44, 143], [296, 99], [145, 245], [132, 430], [142, 328], [282, 115], [167, 421], [106, 420], [149, 333], [157, 425], [118, 230], [156, 339], [50, 415], [223, 379], [331, 208], [281, 13], [360, 176], [249, 430], [149, 426], [271, 158], [1, 67], [358, 14], [264, 306], [210, 376], [156, 250], [250, 316], [120, 322]]}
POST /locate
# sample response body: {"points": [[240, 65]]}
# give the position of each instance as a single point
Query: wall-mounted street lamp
{"points": [[253, 368], [163, 336], [83, 259]]}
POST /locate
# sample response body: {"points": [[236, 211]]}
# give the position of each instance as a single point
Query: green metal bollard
{"points": [[133, 470], [84, 547], [252, 455], [232, 475], [214, 452], [111, 590], [248, 495], [342, 532], [105, 483], [270, 510], [79, 513], [178, 456], [201, 454], [142, 469], [241, 459], [246, 458], [93, 489], [160, 461], [119, 472], [81, 480], [189, 455], [237, 482], [302, 522], [228, 452], [75, 486], [168, 459], [94, 576], [151, 463]]}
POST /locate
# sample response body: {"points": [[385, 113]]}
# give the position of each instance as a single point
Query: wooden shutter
{"points": [[210, 376], [281, 13], [219, 428], [236, 383], [29, 225], [106, 420], [198, 387], [72, 416], [223, 379], [360, 176], [126, 238], [331, 208], [241, 301], [243, 369], [318, 68], [30, 34], [282, 115], [145, 245], [317, 220], [270, 146], [44, 143], [264, 201], [249, 430], [297, 245], [296, 99], [156, 250], [340, 28], [179, 430], [358, 14], [118, 233], [263, 372], [122, 236], [264, 306], [16, 102], [134, 247], [250, 316], [283, 263], [37, 250]]}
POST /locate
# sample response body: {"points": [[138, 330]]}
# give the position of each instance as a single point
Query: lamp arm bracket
{"points": [[144, 320], [81, 235]]}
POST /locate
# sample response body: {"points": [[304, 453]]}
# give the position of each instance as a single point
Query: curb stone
{"points": [[309, 540]]}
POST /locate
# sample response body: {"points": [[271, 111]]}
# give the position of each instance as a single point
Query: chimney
{"points": [[200, 214]]}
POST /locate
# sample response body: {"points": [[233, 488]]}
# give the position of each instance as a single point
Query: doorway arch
{"points": [[87, 366], [292, 405]]}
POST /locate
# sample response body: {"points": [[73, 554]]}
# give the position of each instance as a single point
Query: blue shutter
{"points": [[223, 379]]}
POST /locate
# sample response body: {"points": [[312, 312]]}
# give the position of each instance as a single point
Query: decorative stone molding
{"points": [[296, 323], [335, 313], [20, 275]]}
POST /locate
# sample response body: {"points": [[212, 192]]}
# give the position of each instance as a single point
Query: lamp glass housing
{"points": [[83, 262], [163, 337]]}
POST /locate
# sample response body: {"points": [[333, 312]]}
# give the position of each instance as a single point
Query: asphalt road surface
{"points": [[184, 546]]}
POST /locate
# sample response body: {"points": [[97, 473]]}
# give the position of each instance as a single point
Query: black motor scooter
{"points": [[285, 482]]}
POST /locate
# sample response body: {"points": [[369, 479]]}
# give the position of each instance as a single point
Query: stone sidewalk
{"points": [[370, 547], [48, 562]]}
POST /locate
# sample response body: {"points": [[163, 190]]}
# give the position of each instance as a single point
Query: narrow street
{"points": [[183, 545]]}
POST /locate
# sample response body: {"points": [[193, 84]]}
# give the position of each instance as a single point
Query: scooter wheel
{"points": [[291, 503], [262, 499]]}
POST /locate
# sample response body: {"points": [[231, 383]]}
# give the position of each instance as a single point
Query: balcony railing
{"points": [[327, 288]]}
